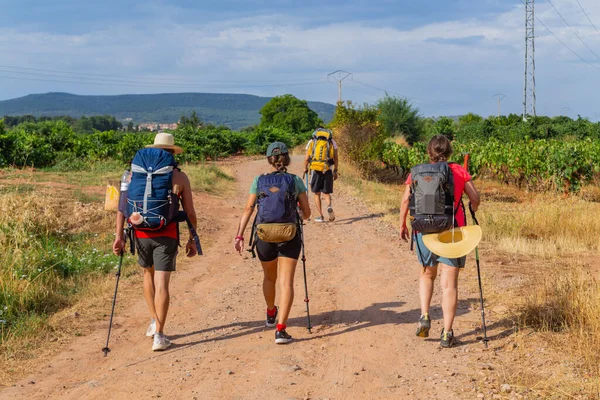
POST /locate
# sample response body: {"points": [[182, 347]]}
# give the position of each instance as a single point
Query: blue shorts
{"points": [[428, 259]]}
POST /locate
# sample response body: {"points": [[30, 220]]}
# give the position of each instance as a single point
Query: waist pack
{"points": [[432, 198], [151, 203], [322, 151], [276, 218]]}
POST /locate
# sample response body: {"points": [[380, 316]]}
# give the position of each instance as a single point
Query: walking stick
{"points": [[485, 338], [107, 349], [306, 300]]}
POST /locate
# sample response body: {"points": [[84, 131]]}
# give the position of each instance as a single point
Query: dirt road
{"points": [[364, 306]]}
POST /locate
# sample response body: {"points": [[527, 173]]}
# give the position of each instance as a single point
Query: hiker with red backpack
{"points": [[276, 233], [151, 210], [433, 196], [322, 162]]}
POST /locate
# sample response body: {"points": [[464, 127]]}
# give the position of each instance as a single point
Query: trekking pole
{"points": [[485, 338], [106, 349], [306, 300]]}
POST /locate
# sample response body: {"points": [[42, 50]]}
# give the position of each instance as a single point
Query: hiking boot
{"points": [[447, 339], [331, 214], [282, 337], [320, 219], [160, 342], [423, 326], [272, 320], [151, 328]]}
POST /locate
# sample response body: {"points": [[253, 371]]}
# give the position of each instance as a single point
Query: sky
{"points": [[449, 57]]}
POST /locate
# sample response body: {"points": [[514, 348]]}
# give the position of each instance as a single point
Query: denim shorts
{"points": [[428, 259]]}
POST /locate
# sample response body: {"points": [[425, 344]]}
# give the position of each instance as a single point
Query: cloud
{"points": [[451, 66], [462, 41]]}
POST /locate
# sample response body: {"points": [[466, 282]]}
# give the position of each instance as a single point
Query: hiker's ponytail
{"points": [[439, 148], [280, 161]]}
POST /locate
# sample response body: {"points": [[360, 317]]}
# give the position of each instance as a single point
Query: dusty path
{"points": [[364, 308]]}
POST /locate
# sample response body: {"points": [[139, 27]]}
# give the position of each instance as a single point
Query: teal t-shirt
{"points": [[298, 185]]}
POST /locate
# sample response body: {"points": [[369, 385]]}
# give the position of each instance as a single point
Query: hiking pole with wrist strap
{"points": [[485, 338], [112, 313], [306, 300]]}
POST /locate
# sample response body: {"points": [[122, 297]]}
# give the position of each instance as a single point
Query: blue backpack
{"points": [[276, 199], [276, 219], [150, 193]]}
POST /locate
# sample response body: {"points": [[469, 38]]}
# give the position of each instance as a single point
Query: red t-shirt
{"points": [[461, 177]]}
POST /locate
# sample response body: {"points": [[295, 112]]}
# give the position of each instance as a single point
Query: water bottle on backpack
{"points": [[125, 179]]}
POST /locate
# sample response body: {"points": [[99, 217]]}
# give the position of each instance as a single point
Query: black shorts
{"points": [[160, 252], [270, 251], [322, 182]]}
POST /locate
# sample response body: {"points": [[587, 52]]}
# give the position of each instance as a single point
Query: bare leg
{"points": [[327, 198], [149, 290], [270, 271], [449, 281], [318, 203], [161, 300], [286, 285], [426, 281]]}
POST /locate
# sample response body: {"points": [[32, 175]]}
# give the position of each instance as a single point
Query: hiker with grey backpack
{"points": [[433, 196], [149, 208], [276, 234]]}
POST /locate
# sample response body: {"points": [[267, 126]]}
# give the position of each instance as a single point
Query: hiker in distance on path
{"points": [[275, 233], [439, 150], [157, 248], [322, 160]]}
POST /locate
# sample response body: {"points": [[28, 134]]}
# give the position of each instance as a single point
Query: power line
{"points": [[588, 17], [169, 80], [573, 30], [91, 81], [416, 99], [563, 43]]}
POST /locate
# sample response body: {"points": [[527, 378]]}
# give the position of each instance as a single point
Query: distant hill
{"points": [[233, 110]]}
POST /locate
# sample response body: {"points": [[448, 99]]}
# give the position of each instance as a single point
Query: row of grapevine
{"points": [[54, 143], [535, 165]]}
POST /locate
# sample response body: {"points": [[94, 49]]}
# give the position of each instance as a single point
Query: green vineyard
{"points": [[543, 164]]}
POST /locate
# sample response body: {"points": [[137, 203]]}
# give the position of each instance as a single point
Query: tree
{"points": [[399, 117], [289, 113], [445, 126], [194, 121], [469, 119]]}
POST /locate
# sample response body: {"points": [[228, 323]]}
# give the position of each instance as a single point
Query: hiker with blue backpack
{"points": [[322, 163], [276, 233], [150, 208], [433, 196]]}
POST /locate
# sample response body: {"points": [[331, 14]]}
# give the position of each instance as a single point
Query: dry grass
{"points": [[568, 301]]}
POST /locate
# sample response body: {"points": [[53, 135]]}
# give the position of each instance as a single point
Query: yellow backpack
{"points": [[321, 150]]}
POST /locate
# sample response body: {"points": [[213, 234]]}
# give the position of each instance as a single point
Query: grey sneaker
{"points": [[447, 340], [331, 214], [151, 328], [320, 219], [423, 326], [160, 342]]}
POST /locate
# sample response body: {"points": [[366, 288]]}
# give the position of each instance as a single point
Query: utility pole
{"points": [[500, 96], [339, 77], [529, 98]]}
